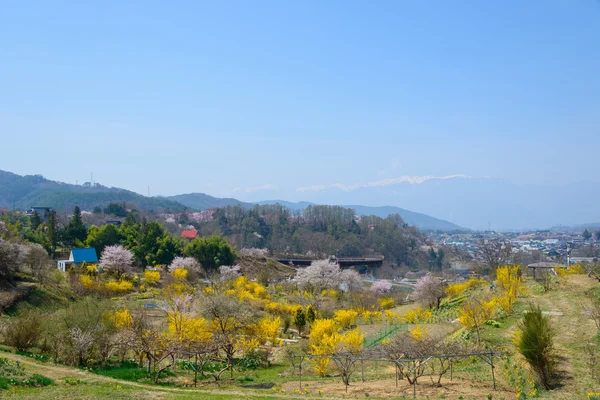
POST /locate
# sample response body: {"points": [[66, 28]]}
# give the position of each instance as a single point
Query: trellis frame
{"points": [[408, 363]]}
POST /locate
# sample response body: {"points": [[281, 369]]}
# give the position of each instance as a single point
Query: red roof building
{"points": [[189, 234]]}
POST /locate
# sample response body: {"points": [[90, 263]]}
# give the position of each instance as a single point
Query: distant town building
{"points": [[189, 234], [42, 212]]}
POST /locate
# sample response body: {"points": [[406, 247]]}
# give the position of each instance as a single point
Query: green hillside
{"points": [[23, 192]]}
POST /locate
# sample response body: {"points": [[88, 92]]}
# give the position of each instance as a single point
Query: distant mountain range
{"points": [[455, 201], [475, 203], [23, 192]]}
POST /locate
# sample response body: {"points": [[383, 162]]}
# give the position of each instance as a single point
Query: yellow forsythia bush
{"points": [[345, 318], [118, 286], [179, 273], [122, 318], [385, 302], [86, 281], [151, 277]]}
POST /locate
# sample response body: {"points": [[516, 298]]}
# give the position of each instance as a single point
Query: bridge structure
{"points": [[372, 264]]}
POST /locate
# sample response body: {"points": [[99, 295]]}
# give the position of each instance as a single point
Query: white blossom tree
{"points": [[381, 287], [254, 252], [429, 291], [116, 259], [351, 280], [12, 257], [323, 274], [188, 263], [229, 272]]}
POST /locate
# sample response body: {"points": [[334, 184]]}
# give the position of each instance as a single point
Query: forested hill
{"points": [[201, 201], [23, 192], [320, 231]]}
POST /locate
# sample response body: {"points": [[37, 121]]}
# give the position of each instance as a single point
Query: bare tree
{"points": [[229, 318], [494, 253], [39, 262], [591, 309], [403, 348]]}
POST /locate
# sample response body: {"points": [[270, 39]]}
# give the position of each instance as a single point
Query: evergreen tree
{"points": [[300, 320], [75, 231], [587, 235], [536, 344], [35, 221], [51, 234], [310, 314]]}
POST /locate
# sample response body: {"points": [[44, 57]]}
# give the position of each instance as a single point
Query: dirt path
{"points": [[58, 372]]}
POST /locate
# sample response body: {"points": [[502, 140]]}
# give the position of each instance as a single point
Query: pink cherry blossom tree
{"points": [[429, 291], [381, 287]]}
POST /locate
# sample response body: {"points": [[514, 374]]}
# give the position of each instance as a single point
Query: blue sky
{"points": [[256, 99]]}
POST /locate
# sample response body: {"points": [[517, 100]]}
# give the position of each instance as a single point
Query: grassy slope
{"points": [[573, 329]]}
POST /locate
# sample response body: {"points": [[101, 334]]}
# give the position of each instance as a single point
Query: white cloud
{"points": [[414, 180], [266, 186]]}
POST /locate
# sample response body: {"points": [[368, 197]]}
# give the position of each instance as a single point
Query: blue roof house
{"points": [[79, 256]]}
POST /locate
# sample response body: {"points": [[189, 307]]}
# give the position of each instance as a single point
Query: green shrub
{"points": [[536, 344]]}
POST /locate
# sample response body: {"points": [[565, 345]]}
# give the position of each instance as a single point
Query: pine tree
{"points": [[75, 230], [35, 221], [51, 234], [300, 320]]}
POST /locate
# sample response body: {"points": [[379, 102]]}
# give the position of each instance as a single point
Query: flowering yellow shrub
{"points": [[179, 273], [366, 315], [456, 289], [122, 318], [417, 315], [321, 328], [188, 329], [246, 344], [267, 329], [151, 277], [385, 302], [208, 290], [86, 281], [419, 332], [329, 293], [353, 340], [345, 318], [391, 317], [475, 313], [562, 272], [91, 268], [324, 340], [377, 315], [576, 269], [118, 286], [176, 289], [282, 308], [509, 282]]}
